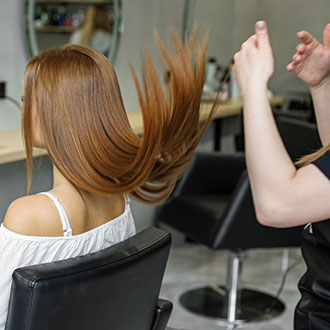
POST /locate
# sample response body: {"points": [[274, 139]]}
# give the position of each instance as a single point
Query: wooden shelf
{"points": [[55, 29]]}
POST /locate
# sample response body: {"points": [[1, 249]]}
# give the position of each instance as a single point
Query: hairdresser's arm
{"points": [[311, 63], [283, 196]]}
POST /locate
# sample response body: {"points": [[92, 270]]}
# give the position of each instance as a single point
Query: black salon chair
{"points": [[300, 137], [113, 289], [212, 205]]}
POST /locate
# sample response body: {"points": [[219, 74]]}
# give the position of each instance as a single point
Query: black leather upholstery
{"points": [[163, 312], [200, 198], [224, 219], [213, 205], [300, 137], [113, 289]]}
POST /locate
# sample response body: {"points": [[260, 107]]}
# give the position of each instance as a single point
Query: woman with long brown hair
{"points": [[73, 108]]}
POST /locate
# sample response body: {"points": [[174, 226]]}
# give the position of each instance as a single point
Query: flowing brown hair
{"points": [[86, 130]]}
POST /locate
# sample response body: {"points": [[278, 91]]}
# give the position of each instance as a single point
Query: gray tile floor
{"points": [[192, 266]]}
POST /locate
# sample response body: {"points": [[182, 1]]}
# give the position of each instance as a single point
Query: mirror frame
{"points": [[118, 28]]}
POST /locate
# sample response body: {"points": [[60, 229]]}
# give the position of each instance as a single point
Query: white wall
{"points": [[218, 17], [12, 59], [285, 19], [141, 17], [232, 22]]}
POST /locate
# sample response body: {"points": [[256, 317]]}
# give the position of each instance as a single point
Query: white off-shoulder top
{"points": [[18, 250]]}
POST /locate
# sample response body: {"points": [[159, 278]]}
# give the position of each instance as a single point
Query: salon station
{"points": [[225, 270]]}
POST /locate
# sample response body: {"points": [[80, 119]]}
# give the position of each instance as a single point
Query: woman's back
{"points": [[85, 212]]}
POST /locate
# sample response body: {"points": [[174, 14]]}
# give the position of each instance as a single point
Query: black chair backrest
{"points": [[300, 137], [240, 230], [113, 289], [205, 174]]}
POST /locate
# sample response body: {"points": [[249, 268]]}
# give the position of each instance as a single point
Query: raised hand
{"points": [[254, 62], [311, 62]]}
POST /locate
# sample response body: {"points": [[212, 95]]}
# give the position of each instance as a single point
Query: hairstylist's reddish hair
{"points": [[86, 130]]}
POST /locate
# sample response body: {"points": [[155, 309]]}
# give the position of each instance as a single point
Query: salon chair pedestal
{"points": [[231, 304]]}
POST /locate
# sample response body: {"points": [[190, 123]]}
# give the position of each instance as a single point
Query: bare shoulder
{"points": [[33, 215]]}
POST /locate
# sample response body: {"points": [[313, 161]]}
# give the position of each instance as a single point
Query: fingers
{"points": [[252, 41], [297, 57], [296, 60], [305, 37], [262, 36], [326, 36], [300, 49], [258, 41], [290, 67], [247, 47]]}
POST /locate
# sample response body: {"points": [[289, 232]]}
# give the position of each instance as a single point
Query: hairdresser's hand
{"points": [[254, 63], [311, 62]]}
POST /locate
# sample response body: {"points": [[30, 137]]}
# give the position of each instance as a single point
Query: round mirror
{"points": [[94, 23]]}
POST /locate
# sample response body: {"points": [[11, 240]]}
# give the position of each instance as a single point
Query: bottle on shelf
{"points": [[234, 91], [61, 12], [211, 69]]}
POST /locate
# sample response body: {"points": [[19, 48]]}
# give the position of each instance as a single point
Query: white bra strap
{"points": [[127, 200], [67, 230]]}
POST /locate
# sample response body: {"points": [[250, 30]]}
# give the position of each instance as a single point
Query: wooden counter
{"points": [[11, 146]]}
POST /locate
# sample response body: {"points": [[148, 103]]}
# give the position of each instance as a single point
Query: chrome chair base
{"points": [[212, 302]]}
